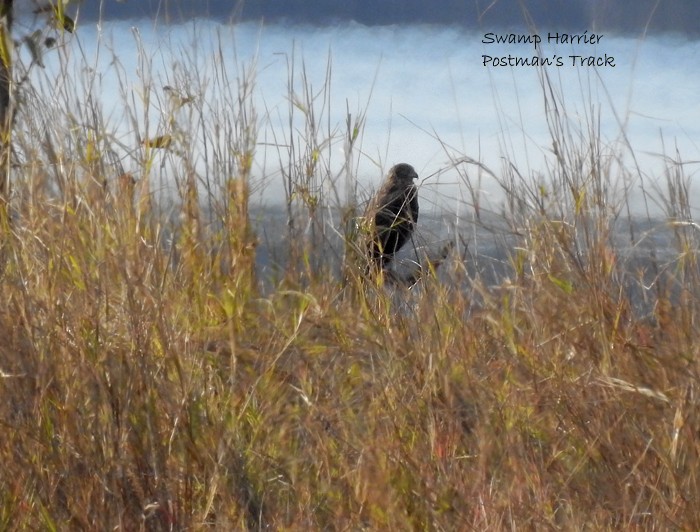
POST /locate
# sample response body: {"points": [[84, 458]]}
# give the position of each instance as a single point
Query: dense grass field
{"points": [[152, 377]]}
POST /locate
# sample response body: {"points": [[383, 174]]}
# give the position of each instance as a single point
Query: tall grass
{"points": [[149, 382]]}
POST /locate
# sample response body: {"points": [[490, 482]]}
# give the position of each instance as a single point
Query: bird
{"points": [[393, 214]]}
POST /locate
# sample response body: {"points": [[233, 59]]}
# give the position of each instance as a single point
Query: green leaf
{"points": [[566, 286]]}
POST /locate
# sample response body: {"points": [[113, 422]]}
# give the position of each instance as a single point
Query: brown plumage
{"points": [[394, 213]]}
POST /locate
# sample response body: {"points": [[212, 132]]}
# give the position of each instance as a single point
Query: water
{"points": [[424, 90], [426, 97]]}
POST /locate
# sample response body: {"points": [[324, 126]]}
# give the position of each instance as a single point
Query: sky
{"points": [[428, 92]]}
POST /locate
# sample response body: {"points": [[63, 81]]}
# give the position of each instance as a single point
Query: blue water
{"points": [[424, 91]]}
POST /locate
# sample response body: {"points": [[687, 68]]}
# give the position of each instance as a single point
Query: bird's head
{"points": [[403, 173]]}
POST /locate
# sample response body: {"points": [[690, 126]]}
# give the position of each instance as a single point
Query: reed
{"points": [[154, 377]]}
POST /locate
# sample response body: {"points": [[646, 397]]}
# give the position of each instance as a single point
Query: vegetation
{"points": [[149, 381]]}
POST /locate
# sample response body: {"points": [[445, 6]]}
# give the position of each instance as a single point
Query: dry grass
{"points": [[148, 383]]}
